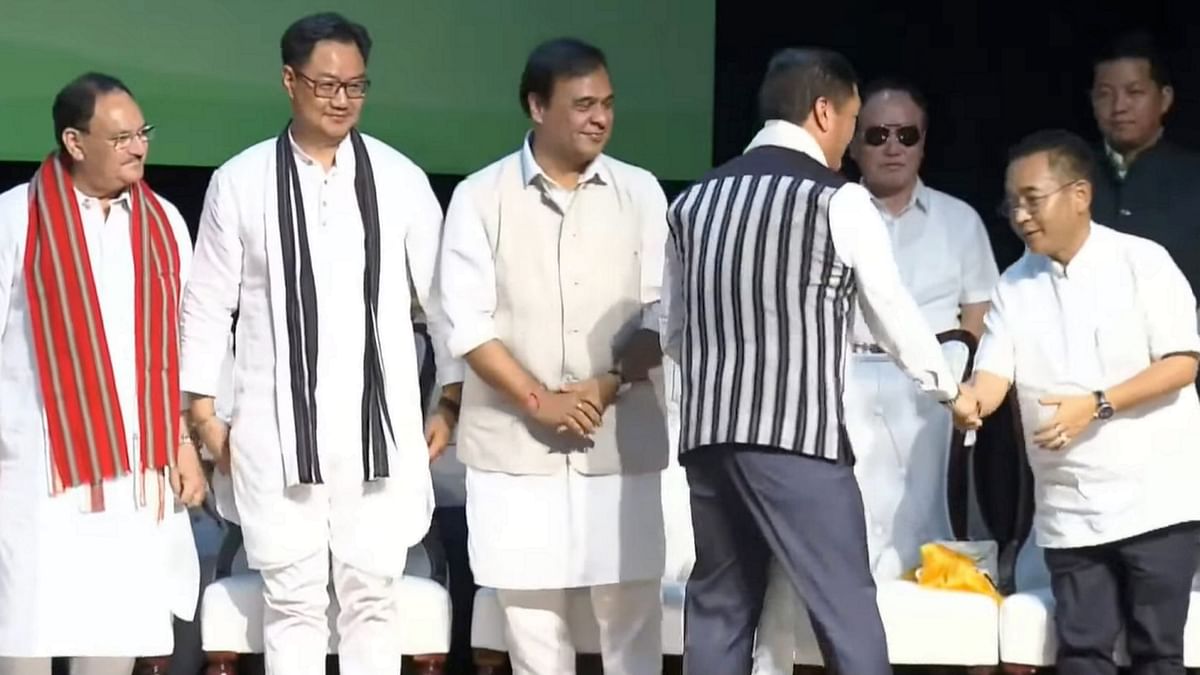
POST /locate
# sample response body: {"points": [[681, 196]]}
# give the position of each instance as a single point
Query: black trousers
{"points": [[1142, 584], [750, 505]]}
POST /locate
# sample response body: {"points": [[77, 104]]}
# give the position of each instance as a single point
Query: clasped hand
{"points": [[966, 410], [576, 408]]}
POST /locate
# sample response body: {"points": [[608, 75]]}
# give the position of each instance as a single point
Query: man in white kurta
{"points": [[551, 268], [311, 486], [103, 585]]}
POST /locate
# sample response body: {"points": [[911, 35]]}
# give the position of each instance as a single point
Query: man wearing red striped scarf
{"points": [[96, 467]]}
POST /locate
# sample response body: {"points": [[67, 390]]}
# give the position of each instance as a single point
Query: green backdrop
{"points": [[444, 73]]}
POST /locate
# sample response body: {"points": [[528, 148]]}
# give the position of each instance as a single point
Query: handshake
{"points": [[966, 409]]}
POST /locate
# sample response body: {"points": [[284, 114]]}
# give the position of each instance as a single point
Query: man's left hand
{"points": [[1073, 416], [438, 430], [187, 480]]}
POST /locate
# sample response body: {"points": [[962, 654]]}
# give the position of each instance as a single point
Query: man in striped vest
{"points": [[767, 256], [96, 466]]}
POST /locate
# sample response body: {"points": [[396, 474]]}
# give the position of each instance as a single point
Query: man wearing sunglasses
{"points": [[312, 237], [946, 262]]}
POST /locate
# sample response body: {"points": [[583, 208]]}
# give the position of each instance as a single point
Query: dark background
{"points": [[993, 70]]}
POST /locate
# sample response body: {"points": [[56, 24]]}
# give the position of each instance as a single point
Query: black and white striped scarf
{"points": [[301, 315]]}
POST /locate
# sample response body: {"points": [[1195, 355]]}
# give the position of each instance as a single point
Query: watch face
{"points": [[1105, 411]]}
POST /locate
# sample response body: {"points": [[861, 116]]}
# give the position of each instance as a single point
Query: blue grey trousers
{"points": [[751, 504]]}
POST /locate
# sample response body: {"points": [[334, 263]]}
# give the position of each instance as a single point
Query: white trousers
{"points": [[296, 625], [628, 614], [80, 665]]}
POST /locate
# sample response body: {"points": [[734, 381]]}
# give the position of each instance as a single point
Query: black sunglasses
{"points": [[907, 135]]}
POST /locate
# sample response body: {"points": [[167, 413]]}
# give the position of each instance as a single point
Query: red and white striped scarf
{"points": [[85, 427]]}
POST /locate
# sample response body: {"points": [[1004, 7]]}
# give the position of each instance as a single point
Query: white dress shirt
{"points": [[943, 254], [1118, 306], [232, 270], [564, 529], [861, 242], [74, 582]]}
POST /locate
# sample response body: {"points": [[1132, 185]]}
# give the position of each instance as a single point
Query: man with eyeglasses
{"points": [[313, 237], [96, 463], [1095, 329], [900, 436]]}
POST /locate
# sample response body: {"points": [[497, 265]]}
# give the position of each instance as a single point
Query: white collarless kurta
{"points": [[74, 582], [369, 525]]}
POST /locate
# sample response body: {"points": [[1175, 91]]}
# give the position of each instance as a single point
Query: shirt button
{"points": [[1125, 212]]}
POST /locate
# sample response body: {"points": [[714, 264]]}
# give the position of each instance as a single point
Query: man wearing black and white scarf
{"points": [[311, 238]]}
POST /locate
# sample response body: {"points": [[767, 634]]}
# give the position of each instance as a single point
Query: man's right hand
{"points": [[564, 411], [966, 411]]}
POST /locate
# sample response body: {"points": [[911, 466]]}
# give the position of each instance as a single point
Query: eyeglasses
{"points": [[122, 140], [1030, 204], [908, 135], [330, 88]]}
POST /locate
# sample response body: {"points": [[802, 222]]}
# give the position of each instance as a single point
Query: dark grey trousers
{"points": [[750, 505], [1143, 584]]}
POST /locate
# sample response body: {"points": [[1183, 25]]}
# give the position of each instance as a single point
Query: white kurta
{"points": [[367, 525], [74, 582]]}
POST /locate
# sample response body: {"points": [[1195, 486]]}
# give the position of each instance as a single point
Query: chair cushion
{"points": [[231, 616], [924, 627], [1027, 631], [487, 622]]}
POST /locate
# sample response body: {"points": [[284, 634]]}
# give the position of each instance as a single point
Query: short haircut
{"points": [[561, 58], [75, 103], [298, 41], [797, 77], [1137, 45], [899, 85], [1069, 155]]}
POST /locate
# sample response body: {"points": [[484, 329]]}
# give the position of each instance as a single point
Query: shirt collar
{"points": [[1088, 256], [343, 160], [920, 198], [784, 134], [531, 171], [1118, 160], [88, 202]]}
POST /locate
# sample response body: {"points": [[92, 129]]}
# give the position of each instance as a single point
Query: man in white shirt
{"points": [[900, 435], [1096, 330], [312, 238], [96, 551], [768, 254], [551, 275]]}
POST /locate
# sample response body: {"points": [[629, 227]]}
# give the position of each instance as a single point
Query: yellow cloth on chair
{"points": [[949, 570]]}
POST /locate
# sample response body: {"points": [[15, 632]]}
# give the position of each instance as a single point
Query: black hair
{"points": [[797, 77], [1070, 156], [296, 45], [75, 103], [1137, 45], [561, 58]]}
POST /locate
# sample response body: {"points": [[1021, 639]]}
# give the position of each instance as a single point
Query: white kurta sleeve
{"points": [[1167, 302], [652, 214], [977, 263], [861, 241], [421, 242], [468, 274], [13, 230], [211, 294], [997, 350]]}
